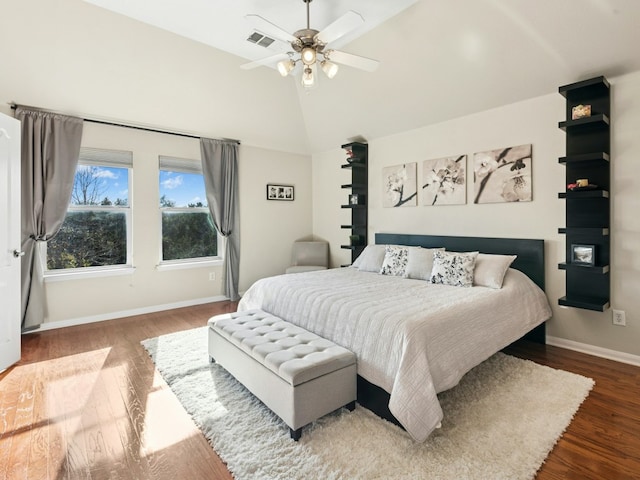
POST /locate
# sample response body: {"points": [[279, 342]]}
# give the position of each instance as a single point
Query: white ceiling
{"points": [[222, 24], [440, 59]]}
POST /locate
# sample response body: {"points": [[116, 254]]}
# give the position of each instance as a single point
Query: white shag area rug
{"points": [[500, 422]]}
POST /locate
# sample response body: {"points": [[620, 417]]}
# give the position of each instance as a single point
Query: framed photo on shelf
{"points": [[280, 192], [583, 254]]}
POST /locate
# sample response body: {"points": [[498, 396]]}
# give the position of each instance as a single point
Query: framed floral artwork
{"points": [[503, 175], [444, 181], [399, 185]]}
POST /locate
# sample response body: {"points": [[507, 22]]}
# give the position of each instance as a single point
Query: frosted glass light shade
{"points": [[285, 67], [329, 68]]}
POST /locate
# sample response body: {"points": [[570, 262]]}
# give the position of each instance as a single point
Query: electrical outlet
{"points": [[619, 318], [212, 276]]}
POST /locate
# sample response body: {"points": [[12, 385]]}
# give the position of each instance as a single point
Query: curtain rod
{"points": [[119, 124]]}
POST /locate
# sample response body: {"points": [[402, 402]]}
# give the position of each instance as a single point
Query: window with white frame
{"points": [[96, 232], [188, 234]]}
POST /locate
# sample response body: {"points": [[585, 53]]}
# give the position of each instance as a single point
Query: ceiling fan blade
{"points": [[270, 29], [343, 25], [272, 59], [356, 61]]}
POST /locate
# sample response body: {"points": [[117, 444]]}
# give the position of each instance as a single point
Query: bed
{"points": [[413, 339]]}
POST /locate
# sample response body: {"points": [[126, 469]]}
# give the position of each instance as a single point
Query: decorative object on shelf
{"points": [[309, 48], [399, 187], [503, 175], [582, 182], [444, 181], [583, 255], [581, 186], [280, 192], [580, 111], [354, 240], [354, 199]]}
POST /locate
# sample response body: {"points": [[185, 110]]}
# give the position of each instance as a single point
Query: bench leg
{"points": [[295, 434], [351, 406]]}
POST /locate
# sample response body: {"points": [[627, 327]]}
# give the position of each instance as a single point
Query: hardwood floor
{"points": [[86, 403]]}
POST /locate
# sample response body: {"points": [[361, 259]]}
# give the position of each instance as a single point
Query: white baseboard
{"points": [[126, 313], [595, 351]]}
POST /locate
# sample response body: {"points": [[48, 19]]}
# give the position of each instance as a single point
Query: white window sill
{"points": [[81, 274], [179, 265]]}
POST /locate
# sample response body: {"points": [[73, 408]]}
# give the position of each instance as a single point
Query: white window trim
{"points": [[82, 273], [169, 265]]}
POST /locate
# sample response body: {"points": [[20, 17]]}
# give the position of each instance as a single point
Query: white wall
{"points": [[534, 121]]}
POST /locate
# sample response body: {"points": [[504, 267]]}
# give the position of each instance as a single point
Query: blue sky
{"points": [[113, 183], [182, 188]]}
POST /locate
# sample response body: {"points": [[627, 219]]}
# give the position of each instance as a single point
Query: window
{"points": [[188, 233], [96, 232]]}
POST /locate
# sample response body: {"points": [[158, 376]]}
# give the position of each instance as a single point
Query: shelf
{"points": [[596, 85], [584, 194], [354, 165], [586, 158], [594, 120], [585, 302], [597, 269], [588, 211], [357, 165], [594, 231]]}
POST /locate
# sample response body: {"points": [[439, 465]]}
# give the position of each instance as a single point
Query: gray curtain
{"points": [[50, 149], [220, 171]]}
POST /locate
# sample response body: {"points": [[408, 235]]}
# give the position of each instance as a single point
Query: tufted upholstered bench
{"points": [[297, 374]]}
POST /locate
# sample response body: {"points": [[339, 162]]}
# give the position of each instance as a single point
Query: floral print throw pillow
{"points": [[452, 268], [395, 261]]}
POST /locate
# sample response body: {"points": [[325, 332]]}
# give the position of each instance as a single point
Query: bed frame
{"points": [[530, 261]]}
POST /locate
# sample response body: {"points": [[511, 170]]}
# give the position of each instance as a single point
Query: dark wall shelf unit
{"points": [[358, 164], [587, 210]]}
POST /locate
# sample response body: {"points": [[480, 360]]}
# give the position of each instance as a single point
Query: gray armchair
{"points": [[308, 256]]}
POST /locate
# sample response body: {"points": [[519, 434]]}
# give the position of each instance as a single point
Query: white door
{"points": [[9, 241]]}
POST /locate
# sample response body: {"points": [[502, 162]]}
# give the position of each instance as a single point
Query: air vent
{"points": [[260, 39]]}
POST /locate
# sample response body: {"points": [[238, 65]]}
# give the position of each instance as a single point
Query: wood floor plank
{"points": [[86, 402]]}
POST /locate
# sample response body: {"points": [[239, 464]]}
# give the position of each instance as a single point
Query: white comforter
{"points": [[411, 338]]}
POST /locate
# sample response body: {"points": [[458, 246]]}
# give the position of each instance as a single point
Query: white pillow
{"points": [[395, 261], [420, 263], [491, 269], [452, 268], [370, 260]]}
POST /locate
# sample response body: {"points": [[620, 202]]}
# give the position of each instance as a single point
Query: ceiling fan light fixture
{"points": [[329, 68], [285, 67], [308, 78], [308, 55]]}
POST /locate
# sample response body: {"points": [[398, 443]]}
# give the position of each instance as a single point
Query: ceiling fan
{"points": [[310, 48]]}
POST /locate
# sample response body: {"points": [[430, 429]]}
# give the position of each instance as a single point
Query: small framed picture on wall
{"points": [[280, 192]]}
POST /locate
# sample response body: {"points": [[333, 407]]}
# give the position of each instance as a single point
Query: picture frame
{"points": [[280, 192], [582, 254], [580, 111]]}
